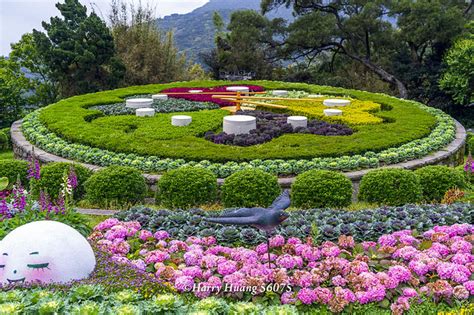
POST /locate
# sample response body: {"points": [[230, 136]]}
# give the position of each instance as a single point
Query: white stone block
{"points": [[239, 124], [242, 89], [315, 95], [144, 112], [195, 91], [280, 93], [336, 102], [138, 102], [181, 120], [160, 97], [332, 112], [297, 121]]}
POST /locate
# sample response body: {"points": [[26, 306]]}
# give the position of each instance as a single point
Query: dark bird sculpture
{"points": [[265, 219]]}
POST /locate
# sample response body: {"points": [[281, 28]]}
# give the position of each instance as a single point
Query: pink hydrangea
{"points": [[161, 235], [387, 240], [288, 298], [409, 292], [460, 292], [469, 285], [306, 296], [139, 264], [227, 267], [293, 241], [193, 258], [156, 256], [338, 281], [145, 235], [405, 253], [277, 241], [107, 224], [461, 246], [323, 295], [184, 283], [367, 245], [402, 274]]}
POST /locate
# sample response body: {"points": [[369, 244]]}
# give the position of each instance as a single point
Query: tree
{"points": [[245, 47], [44, 90], [371, 33], [458, 79], [148, 54], [79, 51], [13, 88]]}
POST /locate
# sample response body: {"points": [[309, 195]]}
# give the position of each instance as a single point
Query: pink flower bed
{"points": [[208, 97], [400, 267]]}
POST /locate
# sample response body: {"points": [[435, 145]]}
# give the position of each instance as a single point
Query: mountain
{"points": [[194, 31]]}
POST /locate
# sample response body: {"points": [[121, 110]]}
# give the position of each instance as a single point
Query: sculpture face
{"points": [[45, 251]]}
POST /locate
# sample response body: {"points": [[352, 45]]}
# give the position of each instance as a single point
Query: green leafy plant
{"points": [[187, 187], [14, 170], [52, 177], [250, 188], [436, 180], [317, 188], [391, 187], [116, 185], [3, 183]]}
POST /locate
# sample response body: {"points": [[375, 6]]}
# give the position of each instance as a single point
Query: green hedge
{"points": [[250, 188], [70, 119], [52, 175], [187, 187], [116, 185], [436, 180], [5, 139], [393, 187], [320, 189], [14, 169]]}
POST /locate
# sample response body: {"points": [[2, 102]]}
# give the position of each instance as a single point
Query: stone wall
{"points": [[452, 155]]}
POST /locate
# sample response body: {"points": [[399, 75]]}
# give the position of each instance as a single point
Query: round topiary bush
{"points": [[391, 187], [52, 177], [14, 169], [250, 188], [187, 187], [321, 189], [436, 180], [116, 185]]}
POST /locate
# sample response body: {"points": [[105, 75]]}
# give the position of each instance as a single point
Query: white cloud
{"points": [[21, 16]]}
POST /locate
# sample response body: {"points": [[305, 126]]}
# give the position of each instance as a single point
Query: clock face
{"points": [[45, 251]]}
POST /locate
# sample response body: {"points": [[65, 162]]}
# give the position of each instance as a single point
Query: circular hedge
{"points": [[391, 187], [14, 170], [116, 185], [52, 176], [187, 187], [436, 180], [250, 188], [70, 128], [319, 189]]}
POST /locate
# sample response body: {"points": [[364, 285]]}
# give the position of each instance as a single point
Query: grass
{"points": [[72, 120], [6, 155]]}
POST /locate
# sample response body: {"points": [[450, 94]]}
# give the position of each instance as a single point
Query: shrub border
{"points": [[451, 155]]}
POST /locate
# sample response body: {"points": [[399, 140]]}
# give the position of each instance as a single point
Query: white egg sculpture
{"points": [[45, 251]]}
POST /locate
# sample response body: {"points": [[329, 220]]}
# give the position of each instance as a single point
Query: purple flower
{"points": [[307, 296], [277, 241], [184, 283], [402, 274], [227, 267], [161, 235]]}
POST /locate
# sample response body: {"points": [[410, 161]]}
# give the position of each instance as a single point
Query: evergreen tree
{"points": [[79, 50]]}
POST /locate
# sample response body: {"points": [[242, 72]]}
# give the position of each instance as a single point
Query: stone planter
{"points": [[145, 112], [239, 124], [297, 121], [139, 103], [280, 93], [242, 89], [160, 97], [181, 120], [332, 112], [336, 102]]}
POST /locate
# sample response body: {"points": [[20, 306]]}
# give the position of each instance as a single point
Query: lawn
{"points": [[6, 155]]}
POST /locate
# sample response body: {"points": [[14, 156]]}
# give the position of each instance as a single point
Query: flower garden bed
{"points": [[411, 131], [271, 125], [319, 224], [400, 269]]}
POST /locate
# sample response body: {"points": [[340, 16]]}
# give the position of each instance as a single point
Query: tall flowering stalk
{"points": [[67, 191], [469, 166], [34, 171]]}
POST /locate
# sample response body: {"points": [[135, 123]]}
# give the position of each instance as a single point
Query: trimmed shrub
{"points": [[187, 187], [5, 139], [318, 189], [436, 180], [250, 188], [116, 185], [14, 169], [52, 175], [393, 187]]}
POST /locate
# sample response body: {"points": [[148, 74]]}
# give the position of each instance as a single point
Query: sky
{"points": [[21, 16]]}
